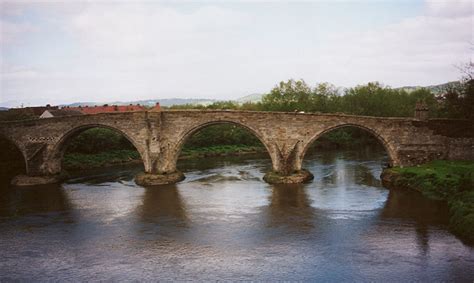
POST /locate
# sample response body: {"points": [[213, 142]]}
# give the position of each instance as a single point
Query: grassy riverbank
{"points": [[79, 161], [451, 181]]}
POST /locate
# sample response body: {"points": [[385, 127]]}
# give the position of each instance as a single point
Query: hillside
{"points": [[255, 97], [436, 89], [149, 102]]}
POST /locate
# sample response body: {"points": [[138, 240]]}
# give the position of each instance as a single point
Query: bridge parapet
{"points": [[160, 136]]}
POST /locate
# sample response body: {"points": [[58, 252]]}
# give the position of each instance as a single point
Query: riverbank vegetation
{"points": [[450, 181], [80, 161]]}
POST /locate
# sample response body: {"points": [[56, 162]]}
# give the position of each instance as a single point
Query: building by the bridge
{"points": [[49, 113], [81, 110], [33, 112], [113, 108], [107, 108]]}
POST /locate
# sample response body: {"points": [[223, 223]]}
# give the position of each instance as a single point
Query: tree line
{"points": [[455, 100], [372, 99]]}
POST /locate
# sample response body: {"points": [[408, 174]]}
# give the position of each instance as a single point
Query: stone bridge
{"points": [[159, 137]]}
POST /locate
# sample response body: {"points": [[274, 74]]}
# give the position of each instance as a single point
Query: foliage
{"points": [[457, 99], [96, 140], [346, 137], [288, 96], [79, 161], [224, 134], [372, 99], [76, 161]]}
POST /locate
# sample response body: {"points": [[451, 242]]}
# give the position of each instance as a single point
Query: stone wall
{"points": [[159, 136]]}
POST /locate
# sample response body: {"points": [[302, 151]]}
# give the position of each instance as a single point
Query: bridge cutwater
{"points": [[160, 135]]}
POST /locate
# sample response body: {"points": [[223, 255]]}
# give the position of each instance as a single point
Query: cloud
{"points": [[11, 33], [124, 51], [18, 73], [130, 29], [419, 50], [453, 8]]}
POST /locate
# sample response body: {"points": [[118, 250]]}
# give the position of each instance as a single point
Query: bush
{"points": [[97, 140]]}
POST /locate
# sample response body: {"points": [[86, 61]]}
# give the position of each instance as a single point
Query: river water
{"points": [[224, 223]]}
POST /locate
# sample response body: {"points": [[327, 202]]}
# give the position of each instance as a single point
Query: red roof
{"points": [[108, 109]]}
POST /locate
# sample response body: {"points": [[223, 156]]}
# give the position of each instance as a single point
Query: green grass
{"points": [[452, 181], [78, 161]]}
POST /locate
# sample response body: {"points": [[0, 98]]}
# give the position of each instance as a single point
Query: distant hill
{"points": [[255, 97], [149, 102], [436, 89]]}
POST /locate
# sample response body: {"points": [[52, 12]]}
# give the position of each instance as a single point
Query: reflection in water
{"points": [[36, 200], [348, 185], [163, 205], [224, 223], [290, 206], [412, 206]]}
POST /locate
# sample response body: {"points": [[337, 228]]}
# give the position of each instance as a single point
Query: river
{"points": [[224, 223]]}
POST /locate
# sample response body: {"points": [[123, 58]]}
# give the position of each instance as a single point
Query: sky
{"points": [[103, 51]]}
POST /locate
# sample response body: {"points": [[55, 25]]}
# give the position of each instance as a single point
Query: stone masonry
{"points": [[159, 136]]}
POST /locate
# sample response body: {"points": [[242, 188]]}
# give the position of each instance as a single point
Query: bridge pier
{"points": [[151, 179], [161, 167], [287, 164], [287, 169], [296, 177], [25, 180], [42, 168], [159, 136]]}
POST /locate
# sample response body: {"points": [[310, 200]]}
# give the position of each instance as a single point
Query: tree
{"points": [[288, 96], [457, 99]]}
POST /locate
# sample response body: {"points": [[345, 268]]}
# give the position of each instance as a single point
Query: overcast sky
{"points": [[62, 52]]}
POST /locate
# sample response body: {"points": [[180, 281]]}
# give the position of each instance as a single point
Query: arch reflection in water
{"points": [[346, 182], [290, 206], [35, 201], [163, 205]]}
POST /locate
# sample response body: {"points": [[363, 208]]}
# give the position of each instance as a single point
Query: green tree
{"points": [[98, 140], [457, 99], [288, 96]]}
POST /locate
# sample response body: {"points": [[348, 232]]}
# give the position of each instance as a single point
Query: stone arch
{"points": [[388, 147], [189, 132], [19, 148], [59, 148]]}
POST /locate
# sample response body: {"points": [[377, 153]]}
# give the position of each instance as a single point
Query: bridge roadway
{"points": [[159, 137]]}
